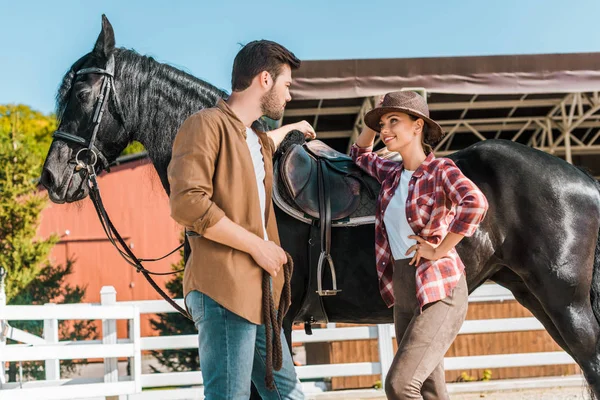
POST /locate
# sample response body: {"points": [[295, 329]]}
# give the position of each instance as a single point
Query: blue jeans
{"points": [[232, 353]]}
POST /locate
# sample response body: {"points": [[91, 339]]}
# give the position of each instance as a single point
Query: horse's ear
{"points": [[105, 43]]}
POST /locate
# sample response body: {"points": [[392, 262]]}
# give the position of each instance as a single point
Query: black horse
{"points": [[539, 239]]}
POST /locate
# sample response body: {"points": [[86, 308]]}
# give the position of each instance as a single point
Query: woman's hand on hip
{"points": [[422, 249]]}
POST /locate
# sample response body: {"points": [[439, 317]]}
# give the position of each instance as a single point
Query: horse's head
{"points": [[91, 132]]}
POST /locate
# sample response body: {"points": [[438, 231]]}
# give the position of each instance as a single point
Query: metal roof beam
{"points": [[470, 105], [303, 112], [500, 120], [463, 128], [559, 151]]}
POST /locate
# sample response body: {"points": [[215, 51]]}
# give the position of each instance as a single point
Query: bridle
{"points": [[94, 154], [90, 163]]}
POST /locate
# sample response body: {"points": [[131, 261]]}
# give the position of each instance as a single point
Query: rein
{"points": [[113, 236]]}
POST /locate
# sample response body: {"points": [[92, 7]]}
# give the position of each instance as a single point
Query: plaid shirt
{"points": [[440, 199]]}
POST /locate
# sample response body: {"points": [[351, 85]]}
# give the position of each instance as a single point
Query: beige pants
{"points": [[417, 371]]}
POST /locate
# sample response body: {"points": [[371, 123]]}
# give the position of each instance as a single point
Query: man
{"points": [[221, 177]]}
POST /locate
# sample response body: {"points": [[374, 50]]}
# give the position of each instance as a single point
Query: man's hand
{"points": [[280, 133], [269, 256], [305, 128]]}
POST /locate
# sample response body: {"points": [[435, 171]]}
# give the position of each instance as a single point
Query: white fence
{"points": [[110, 348]]}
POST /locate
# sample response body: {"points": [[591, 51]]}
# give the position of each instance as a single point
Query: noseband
{"points": [[94, 154]]}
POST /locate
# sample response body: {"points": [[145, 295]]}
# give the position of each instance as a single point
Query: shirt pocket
{"points": [[425, 205]]}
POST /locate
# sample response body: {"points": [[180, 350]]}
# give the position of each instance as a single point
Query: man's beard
{"points": [[270, 107]]}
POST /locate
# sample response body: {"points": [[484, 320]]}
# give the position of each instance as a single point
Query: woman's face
{"points": [[398, 130]]}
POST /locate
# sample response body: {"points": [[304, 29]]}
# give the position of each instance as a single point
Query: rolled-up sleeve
{"points": [[371, 163], [471, 204], [190, 174]]}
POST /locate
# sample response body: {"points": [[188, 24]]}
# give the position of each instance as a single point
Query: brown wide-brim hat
{"points": [[408, 102]]}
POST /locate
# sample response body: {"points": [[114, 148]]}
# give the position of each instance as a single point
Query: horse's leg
{"points": [[513, 282], [563, 290]]}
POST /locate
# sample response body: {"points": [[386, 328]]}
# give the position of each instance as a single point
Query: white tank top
{"points": [[395, 221]]}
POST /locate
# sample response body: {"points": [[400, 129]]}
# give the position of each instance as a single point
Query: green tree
{"points": [[25, 136], [133, 148], [22, 141], [176, 324], [33, 127]]}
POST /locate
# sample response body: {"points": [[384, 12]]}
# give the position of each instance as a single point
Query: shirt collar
{"points": [[426, 166], [223, 106]]}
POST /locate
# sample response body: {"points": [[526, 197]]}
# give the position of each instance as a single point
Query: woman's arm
{"points": [[362, 154], [366, 137], [428, 251], [471, 207], [471, 204]]}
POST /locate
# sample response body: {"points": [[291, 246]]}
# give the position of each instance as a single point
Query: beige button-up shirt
{"points": [[211, 175]]}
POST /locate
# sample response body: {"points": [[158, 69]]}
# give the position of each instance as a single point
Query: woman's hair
{"points": [[426, 147]]}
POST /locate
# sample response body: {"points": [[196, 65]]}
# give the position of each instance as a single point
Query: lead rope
{"points": [[273, 319]]}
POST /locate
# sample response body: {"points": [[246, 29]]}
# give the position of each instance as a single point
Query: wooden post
{"points": [[135, 362], [108, 296], [386, 349], [52, 367]]}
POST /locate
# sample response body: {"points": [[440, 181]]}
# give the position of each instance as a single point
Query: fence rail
{"points": [[109, 348]]}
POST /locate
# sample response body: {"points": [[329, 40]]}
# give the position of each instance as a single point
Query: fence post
{"points": [[3, 326], [51, 336], [135, 362], [108, 296], [386, 349]]}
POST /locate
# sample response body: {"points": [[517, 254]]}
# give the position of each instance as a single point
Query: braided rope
{"points": [[273, 320]]}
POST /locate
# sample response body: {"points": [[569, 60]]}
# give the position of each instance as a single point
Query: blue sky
{"points": [[41, 39]]}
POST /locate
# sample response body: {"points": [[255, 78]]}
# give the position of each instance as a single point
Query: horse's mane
{"points": [[174, 93], [64, 90]]}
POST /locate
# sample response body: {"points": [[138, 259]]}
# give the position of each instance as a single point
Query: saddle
{"points": [[313, 172], [328, 189]]}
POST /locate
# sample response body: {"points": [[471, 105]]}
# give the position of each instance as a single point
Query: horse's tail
{"points": [[595, 289]]}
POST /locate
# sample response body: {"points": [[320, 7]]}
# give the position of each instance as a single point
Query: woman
{"points": [[425, 207]]}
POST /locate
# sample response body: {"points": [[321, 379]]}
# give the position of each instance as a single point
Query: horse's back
{"points": [[536, 201], [523, 169]]}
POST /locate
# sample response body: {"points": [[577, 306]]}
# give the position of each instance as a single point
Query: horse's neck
{"points": [[163, 98]]}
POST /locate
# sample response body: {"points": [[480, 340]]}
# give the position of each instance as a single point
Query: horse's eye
{"points": [[83, 95]]}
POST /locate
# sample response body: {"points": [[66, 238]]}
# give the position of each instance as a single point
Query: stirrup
{"points": [[328, 292]]}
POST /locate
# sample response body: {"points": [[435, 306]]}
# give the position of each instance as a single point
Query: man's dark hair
{"points": [[259, 56]]}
